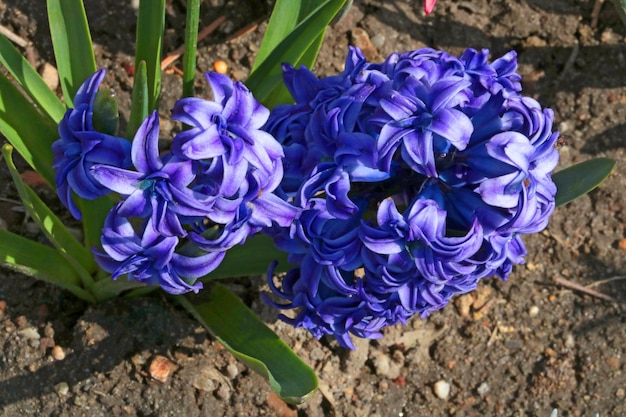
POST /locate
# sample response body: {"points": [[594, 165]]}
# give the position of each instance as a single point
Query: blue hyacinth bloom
{"points": [[150, 257], [159, 186], [415, 178], [81, 146], [215, 188]]}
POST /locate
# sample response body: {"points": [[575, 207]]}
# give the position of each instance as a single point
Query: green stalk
{"points": [[150, 25], [191, 45]]}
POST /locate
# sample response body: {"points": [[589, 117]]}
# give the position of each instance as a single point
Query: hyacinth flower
{"points": [[432, 166], [81, 146], [237, 163], [158, 188], [150, 258], [198, 198]]}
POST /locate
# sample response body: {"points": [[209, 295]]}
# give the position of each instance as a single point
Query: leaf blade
{"points": [[49, 223], [268, 75], [140, 100], [251, 259], [246, 337], [149, 41], [34, 259], [72, 44], [30, 80], [581, 178], [30, 132]]}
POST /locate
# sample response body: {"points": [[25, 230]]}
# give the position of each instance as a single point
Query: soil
{"points": [[516, 348]]}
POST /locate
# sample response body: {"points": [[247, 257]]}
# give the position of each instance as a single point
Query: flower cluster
{"points": [[181, 210], [414, 178], [392, 186]]}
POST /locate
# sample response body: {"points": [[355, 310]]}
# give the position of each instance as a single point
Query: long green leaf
{"points": [[51, 225], [110, 288], [39, 261], [29, 131], [280, 94], [71, 40], [139, 108], [285, 17], [251, 259], [94, 212], [150, 25], [267, 77], [253, 343], [581, 178], [30, 80]]}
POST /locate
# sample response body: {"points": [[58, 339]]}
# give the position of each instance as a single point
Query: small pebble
{"points": [[386, 368], [161, 368], [50, 76], [570, 342], [483, 389], [378, 40], [58, 353], [62, 388], [29, 333], [223, 392], [232, 371], [533, 311], [441, 389]]}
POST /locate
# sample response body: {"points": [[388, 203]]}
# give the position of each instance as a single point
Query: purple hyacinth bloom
{"points": [[80, 147], [159, 186], [229, 127], [416, 178], [151, 257]]}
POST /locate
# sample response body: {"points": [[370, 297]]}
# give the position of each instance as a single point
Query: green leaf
{"points": [[150, 25], [581, 178], [110, 288], [30, 80], [51, 225], [285, 17], [39, 261], [140, 100], [303, 41], [251, 259], [29, 131], [191, 45], [253, 343], [94, 212], [72, 45]]}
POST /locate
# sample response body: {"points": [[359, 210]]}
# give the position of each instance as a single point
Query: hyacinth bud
{"points": [[106, 116]]}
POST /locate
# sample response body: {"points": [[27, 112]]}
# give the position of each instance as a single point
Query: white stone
{"points": [[442, 389]]}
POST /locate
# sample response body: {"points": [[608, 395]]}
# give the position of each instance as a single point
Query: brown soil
{"points": [[516, 348]]}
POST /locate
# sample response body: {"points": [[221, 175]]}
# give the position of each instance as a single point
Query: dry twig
{"points": [[13, 37], [605, 281], [577, 287]]}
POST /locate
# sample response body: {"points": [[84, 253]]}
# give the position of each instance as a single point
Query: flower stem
{"points": [[191, 45]]}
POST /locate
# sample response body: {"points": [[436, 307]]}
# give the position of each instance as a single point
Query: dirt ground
{"points": [[516, 348]]}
